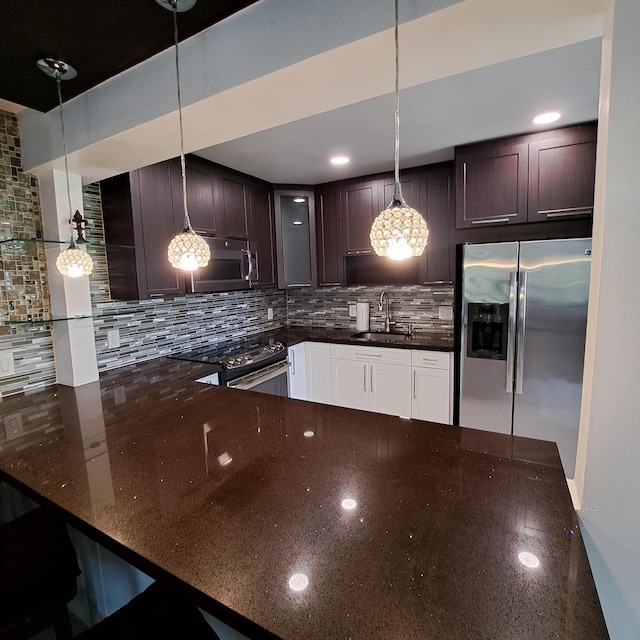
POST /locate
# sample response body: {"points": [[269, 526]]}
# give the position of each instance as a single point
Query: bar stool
{"points": [[158, 612], [38, 571]]}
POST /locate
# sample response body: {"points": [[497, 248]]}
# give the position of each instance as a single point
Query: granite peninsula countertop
{"points": [[402, 529]]}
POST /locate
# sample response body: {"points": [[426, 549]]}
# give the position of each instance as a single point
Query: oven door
{"points": [[271, 379]]}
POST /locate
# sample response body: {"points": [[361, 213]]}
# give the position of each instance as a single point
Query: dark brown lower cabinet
{"points": [[139, 221]]}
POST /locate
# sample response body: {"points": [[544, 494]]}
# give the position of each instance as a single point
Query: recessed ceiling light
{"points": [[340, 160], [547, 117], [299, 200]]}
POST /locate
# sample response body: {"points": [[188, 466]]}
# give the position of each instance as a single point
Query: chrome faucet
{"points": [[387, 319]]}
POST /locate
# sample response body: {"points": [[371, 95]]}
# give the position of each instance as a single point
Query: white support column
{"points": [[73, 340]]}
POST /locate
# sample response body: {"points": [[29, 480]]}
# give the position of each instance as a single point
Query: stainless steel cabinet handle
{"points": [[371, 376], [490, 221], [563, 213], [364, 371], [292, 355], [522, 319], [414, 383], [511, 331], [368, 355]]}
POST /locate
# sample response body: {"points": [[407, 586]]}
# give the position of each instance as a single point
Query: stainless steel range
{"points": [[252, 364]]}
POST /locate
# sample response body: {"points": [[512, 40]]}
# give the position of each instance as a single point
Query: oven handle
{"points": [[258, 377]]}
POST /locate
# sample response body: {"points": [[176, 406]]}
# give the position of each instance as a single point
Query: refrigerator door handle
{"points": [[511, 331], [522, 320]]}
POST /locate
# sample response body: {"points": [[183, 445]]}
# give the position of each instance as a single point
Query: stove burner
{"points": [[253, 356]]}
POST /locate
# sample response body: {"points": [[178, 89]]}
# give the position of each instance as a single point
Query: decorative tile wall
{"points": [[420, 306], [151, 328], [24, 289]]}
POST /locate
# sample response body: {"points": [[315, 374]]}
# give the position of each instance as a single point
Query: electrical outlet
{"points": [[445, 313], [13, 425], [352, 309], [113, 338], [7, 365], [269, 313]]}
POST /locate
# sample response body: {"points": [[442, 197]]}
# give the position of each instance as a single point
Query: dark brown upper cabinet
{"points": [[200, 190], [491, 185], [437, 205], [138, 211], [562, 175], [360, 206], [295, 237], [529, 178], [263, 232], [329, 235], [345, 212], [231, 199]]}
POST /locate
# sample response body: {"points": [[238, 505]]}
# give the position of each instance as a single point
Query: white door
{"points": [[431, 394], [350, 384], [390, 389]]}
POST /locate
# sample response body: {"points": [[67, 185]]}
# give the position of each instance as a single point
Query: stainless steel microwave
{"points": [[233, 265]]}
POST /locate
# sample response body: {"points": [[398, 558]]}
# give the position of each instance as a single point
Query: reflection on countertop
{"points": [[311, 521]]}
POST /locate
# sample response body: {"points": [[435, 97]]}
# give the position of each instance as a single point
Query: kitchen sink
{"points": [[397, 337]]}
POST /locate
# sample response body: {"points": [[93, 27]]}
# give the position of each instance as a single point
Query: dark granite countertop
{"points": [[294, 335], [234, 492]]}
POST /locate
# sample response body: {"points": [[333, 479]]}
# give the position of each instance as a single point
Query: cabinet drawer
{"points": [[371, 354], [430, 359]]}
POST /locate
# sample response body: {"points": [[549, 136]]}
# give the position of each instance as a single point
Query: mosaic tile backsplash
{"points": [[419, 306], [24, 289]]}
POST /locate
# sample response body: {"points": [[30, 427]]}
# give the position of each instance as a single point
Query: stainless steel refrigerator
{"points": [[524, 316]]}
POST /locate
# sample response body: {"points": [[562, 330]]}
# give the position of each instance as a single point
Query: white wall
{"points": [[608, 477]]}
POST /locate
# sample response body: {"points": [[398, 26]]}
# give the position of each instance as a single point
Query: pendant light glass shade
{"points": [[72, 261], [187, 250], [399, 232]]}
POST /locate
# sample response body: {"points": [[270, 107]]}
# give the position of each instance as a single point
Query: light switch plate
{"points": [[269, 313], [7, 365], [352, 310], [445, 313]]}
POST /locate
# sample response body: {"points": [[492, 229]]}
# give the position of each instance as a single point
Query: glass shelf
{"points": [[66, 242], [94, 316]]}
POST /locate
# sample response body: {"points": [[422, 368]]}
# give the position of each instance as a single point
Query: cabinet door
{"points": [[491, 185], [295, 229], [155, 222], [410, 185], [431, 395], [360, 206], [231, 200], [350, 384], [329, 236], [199, 177], [437, 263], [562, 175], [263, 233], [318, 369], [298, 371], [390, 388]]}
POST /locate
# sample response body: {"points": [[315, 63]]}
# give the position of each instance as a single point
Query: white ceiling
{"points": [[279, 106]]}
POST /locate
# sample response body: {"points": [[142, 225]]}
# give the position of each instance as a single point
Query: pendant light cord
{"points": [[183, 168], [397, 195], [66, 162]]}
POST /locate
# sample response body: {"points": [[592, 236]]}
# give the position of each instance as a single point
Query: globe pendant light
{"points": [[73, 261], [187, 251], [399, 232]]}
